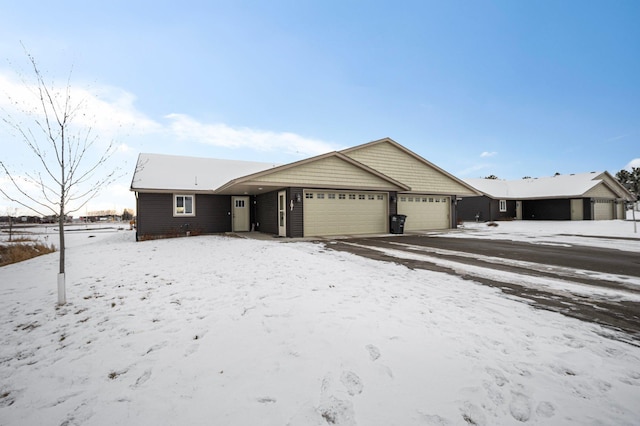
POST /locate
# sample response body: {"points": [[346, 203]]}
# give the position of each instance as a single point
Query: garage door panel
{"points": [[603, 210], [425, 211], [344, 213]]}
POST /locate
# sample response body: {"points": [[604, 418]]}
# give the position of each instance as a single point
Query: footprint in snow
{"points": [[374, 352], [520, 407], [472, 414], [497, 375], [352, 382], [337, 412], [434, 420], [545, 409], [142, 379]]}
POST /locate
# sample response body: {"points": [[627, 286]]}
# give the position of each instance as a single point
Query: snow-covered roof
{"points": [[174, 172], [560, 186]]}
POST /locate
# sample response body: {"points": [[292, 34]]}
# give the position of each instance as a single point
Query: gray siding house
{"points": [[583, 196], [350, 192]]}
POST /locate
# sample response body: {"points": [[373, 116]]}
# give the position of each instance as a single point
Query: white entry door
{"points": [[240, 215], [282, 213]]}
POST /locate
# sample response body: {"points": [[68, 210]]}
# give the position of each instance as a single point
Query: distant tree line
{"points": [[630, 180]]}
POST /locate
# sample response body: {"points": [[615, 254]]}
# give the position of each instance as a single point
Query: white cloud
{"points": [[633, 163], [488, 154], [219, 134], [108, 110]]}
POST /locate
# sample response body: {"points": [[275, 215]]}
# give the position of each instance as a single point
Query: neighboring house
{"points": [[351, 192], [583, 196]]}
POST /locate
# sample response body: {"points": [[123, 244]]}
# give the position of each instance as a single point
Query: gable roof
{"points": [[394, 160], [159, 172], [382, 165], [331, 169], [578, 185]]}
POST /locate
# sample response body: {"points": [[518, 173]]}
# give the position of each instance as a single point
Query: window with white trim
{"points": [[184, 205], [503, 205]]}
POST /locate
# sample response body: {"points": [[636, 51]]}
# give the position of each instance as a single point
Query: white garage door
{"points": [[603, 210], [424, 211], [329, 212]]}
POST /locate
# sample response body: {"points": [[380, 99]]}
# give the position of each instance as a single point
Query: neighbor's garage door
{"points": [[424, 212], [344, 213], [603, 210]]}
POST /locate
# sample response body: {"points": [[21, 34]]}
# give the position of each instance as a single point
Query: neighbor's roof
{"points": [[173, 172], [560, 186]]}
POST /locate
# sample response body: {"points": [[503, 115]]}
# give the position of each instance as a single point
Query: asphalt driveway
{"points": [[593, 269]]}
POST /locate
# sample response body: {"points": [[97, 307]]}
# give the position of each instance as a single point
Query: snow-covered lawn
{"points": [[615, 234], [227, 331]]}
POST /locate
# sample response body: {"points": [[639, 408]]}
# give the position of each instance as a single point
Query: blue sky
{"points": [[510, 88]]}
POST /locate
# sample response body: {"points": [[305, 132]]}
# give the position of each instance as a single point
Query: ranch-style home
{"points": [[350, 192], [581, 196]]}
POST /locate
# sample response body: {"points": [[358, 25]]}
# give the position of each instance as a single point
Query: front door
{"points": [[519, 210], [240, 215], [282, 213], [577, 212]]}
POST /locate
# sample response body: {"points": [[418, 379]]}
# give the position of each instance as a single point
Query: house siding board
{"points": [[295, 217], [397, 164], [469, 207], [267, 212], [155, 216], [553, 209], [330, 172], [601, 191]]}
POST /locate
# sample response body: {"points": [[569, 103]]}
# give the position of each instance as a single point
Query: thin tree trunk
{"points": [[62, 293]]}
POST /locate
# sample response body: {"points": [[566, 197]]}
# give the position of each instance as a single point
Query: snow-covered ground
{"points": [[615, 234], [228, 331]]}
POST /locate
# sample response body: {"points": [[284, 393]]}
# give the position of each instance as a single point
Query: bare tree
{"points": [[68, 156]]}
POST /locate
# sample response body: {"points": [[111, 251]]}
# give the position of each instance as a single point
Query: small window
{"points": [[361, 197], [308, 195], [240, 204], [341, 196], [430, 200], [424, 200], [183, 205], [380, 197], [372, 197], [320, 196], [331, 196], [503, 205], [410, 199], [352, 196], [403, 198]]}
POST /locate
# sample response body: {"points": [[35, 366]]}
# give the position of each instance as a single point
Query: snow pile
{"points": [[216, 330]]}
